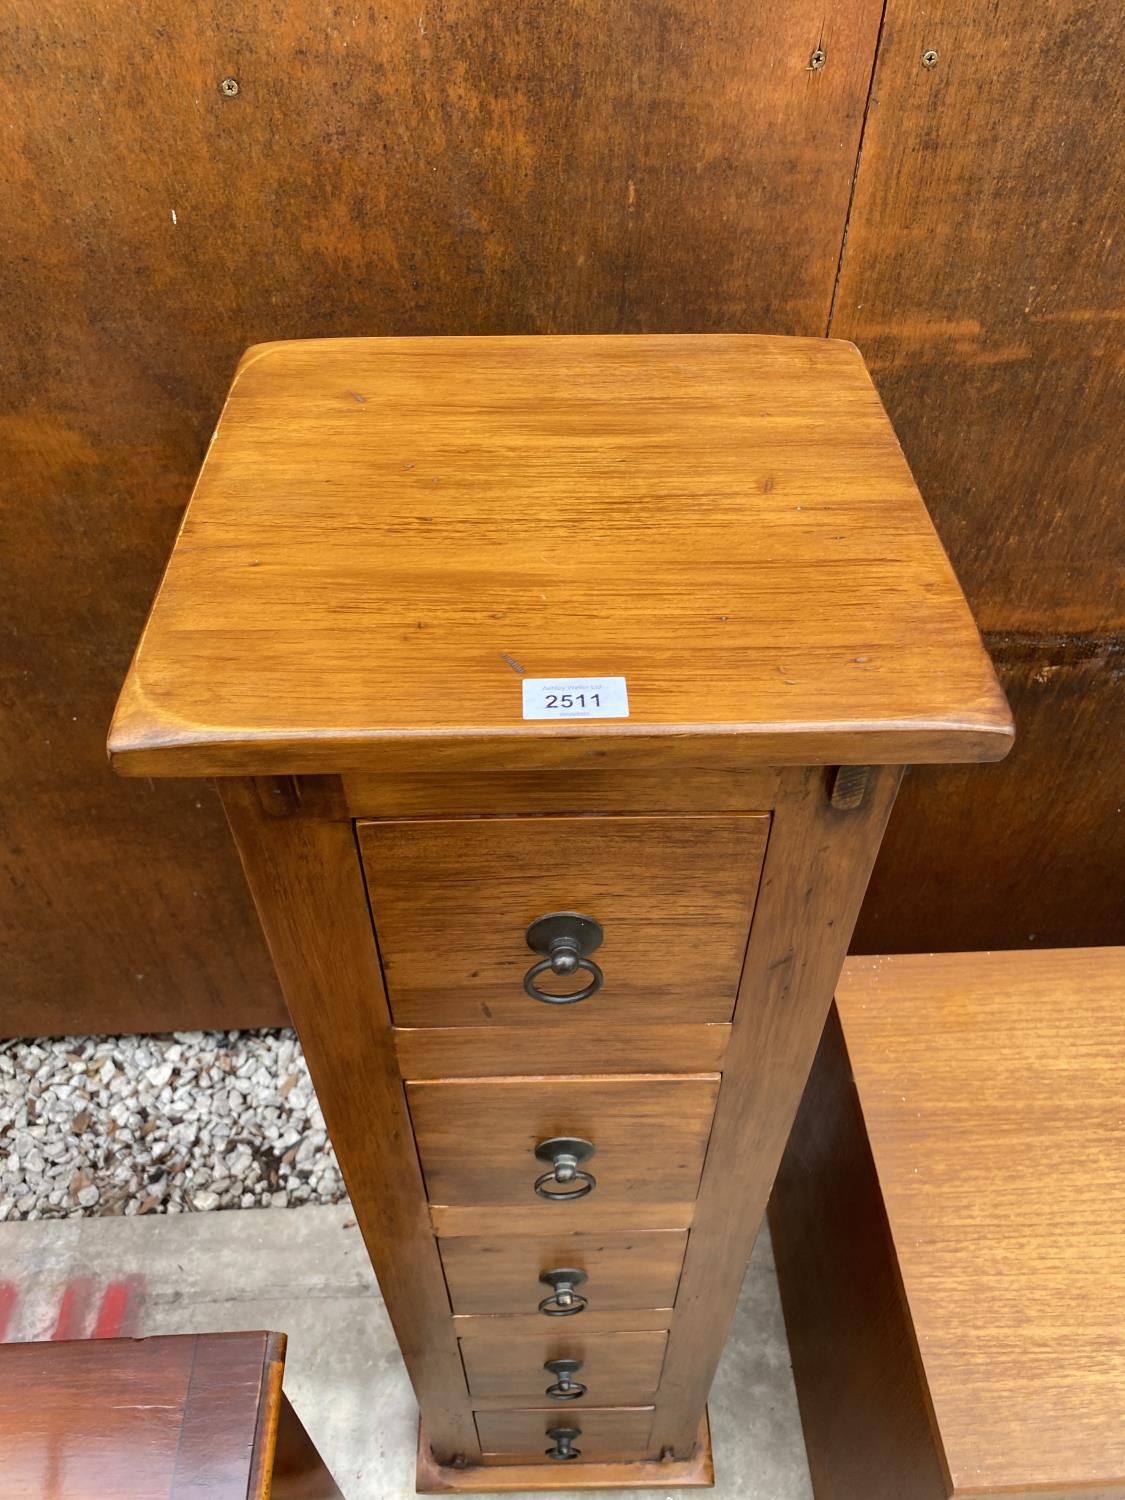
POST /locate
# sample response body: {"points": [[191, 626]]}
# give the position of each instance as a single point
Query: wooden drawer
{"points": [[477, 1137], [453, 899], [522, 1435], [622, 1368], [489, 1277]]}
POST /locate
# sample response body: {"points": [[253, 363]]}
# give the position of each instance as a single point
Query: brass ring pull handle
{"points": [[565, 1388], [565, 1154], [563, 1437], [564, 1301], [566, 939]]}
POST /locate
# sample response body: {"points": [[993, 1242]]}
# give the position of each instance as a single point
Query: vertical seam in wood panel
{"points": [[753, 913], [855, 173], [402, 1082], [444, 1273], [369, 903]]}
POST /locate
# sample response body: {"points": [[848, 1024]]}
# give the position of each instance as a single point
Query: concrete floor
{"points": [[304, 1271]]}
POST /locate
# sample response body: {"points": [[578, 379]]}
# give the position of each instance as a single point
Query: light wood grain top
{"points": [[992, 1091], [387, 534]]}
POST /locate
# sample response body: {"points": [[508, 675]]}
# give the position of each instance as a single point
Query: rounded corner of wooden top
{"points": [[123, 742], [848, 348], [255, 353], [971, 743], [134, 730], [1002, 739], [127, 757], [997, 729], [140, 742]]}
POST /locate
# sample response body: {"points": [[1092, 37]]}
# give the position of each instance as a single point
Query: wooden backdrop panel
{"points": [[1027, 853], [460, 167], [983, 280]]}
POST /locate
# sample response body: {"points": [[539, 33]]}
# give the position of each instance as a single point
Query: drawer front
{"points": [[622, 1368], [453, 900], [477, 1138], [522, 1436], [488, 1277]]}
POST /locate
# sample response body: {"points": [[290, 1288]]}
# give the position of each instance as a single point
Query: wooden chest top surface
{"points": [[388, 534], [991, 1090]]}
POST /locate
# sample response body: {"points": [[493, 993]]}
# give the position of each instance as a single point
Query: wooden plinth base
{"points": [[697, 1472]]}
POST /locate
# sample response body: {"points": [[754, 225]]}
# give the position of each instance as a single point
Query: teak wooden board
{"points": [[389, 534], [991, 1090]]}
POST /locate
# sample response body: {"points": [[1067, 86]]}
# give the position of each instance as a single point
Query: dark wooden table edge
{"points": [[269, 1413]]}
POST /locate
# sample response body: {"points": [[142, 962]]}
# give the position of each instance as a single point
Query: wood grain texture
{"points": [[619, 1369], [990, 1086], [481, 793], [401, 170], [659, 507], [530, 1325], [521, 1436], [502, 1275], [452, 901], [304, 873], [111, 923], [1056, 876], [816, 869], [695, 1472], [476, 1138], [563, 1044], [125, 1419], [587, 1215], [273, 1408], [985, 283], [299, 1473], [866, 1415]]}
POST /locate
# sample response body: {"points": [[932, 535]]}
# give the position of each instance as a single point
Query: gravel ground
{"points": [[198, 1120]]}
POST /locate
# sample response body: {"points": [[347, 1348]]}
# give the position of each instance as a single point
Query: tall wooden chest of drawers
{"points": [[558, 691]]}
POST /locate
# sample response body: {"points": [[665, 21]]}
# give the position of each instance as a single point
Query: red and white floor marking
{"points": [[78, 1309]]}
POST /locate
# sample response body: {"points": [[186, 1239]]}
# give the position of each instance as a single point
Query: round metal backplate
{"points": [[570, 1274], [564, 924], [564, 1145]]}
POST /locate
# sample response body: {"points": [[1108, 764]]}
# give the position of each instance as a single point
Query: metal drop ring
{"points": [[551, 1307], [572, 1392], [547, 966], [587, 1180]]}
